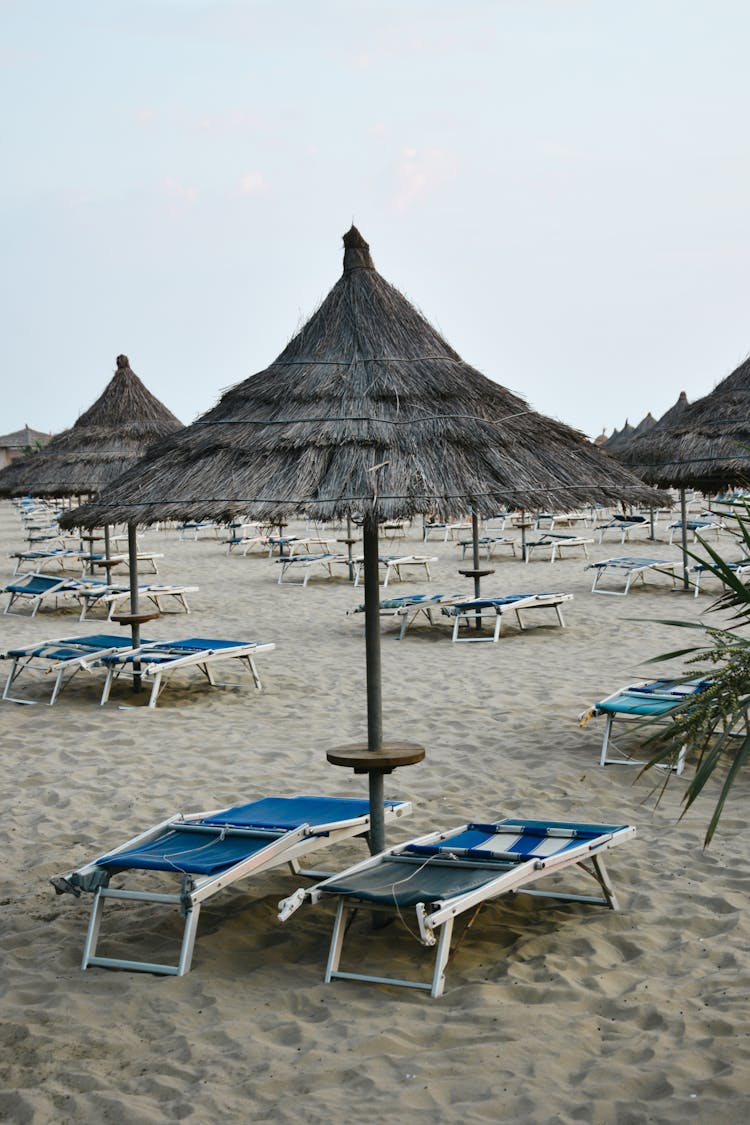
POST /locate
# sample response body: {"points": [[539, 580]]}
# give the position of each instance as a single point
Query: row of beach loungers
{"points": [[439, 876]]}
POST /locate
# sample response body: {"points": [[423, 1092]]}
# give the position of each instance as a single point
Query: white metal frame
{"points": [[436, 923], [284, 847], [634, 569], [32, 660], [157, 671], [468, 615]]}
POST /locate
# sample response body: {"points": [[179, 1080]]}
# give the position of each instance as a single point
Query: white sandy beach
{"points": [[562, 1013]]}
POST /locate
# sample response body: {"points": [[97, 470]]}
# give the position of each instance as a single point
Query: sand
{"points": [[551, 1013]]}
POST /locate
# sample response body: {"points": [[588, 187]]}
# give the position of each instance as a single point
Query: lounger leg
{"points": [[107, 686], [605, 741], [188, 940], [155, 690], [56, 688], [600, 874], [337, 941], [441, 958], [92, 933]]}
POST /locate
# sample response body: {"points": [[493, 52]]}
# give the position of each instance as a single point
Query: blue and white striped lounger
{"points": [[555, 542], [469, 610], [697, 527], [408, 607], [59, 658], [632, 569], [156, 661], [648, 701], [305, 564], [65, 558], [487, 544], [740, 569], [392, 564], [623, 527], [445, 874], [209, 851], [33, 589]]}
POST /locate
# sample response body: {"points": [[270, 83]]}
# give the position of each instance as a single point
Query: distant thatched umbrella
{"points": [[110, 437], [618, 438], [367, 410]]}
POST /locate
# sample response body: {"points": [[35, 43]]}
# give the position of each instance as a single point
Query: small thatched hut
{"points": [[110, 437]]}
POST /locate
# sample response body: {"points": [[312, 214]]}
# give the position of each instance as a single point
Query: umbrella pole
{"points": [[683, 519], [374, 679], [475, 556], [135, 625]]}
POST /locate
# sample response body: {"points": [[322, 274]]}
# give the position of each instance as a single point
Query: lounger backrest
{"points": [[291, 812], [526, 839]]}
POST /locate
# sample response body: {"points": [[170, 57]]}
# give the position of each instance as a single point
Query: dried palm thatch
{"points": [[619, 438], [703, 445], [367, 409], [110, 437]]}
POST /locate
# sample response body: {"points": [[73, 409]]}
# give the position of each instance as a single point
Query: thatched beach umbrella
{"points": [[702, 445], [110, 437], [367, 410]]}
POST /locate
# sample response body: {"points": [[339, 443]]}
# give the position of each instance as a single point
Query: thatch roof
{"points": [[24, 439], [619, 438], [674, 412], [366, 409], [110, 437], [702, 445]]}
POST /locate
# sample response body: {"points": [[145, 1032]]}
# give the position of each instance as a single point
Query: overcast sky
{"points": [[560, 186]]}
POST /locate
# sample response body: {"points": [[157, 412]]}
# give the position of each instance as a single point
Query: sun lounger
{"points": [[156, 662], [632, 569], [556, 542], [468, 611], [408, 607], [444, 874], [741, 568], [393, 564], [61, 659], [697, 527], [33, 589], [489, 544], [547, 521], [291, 546], [624, 528], [111, 562], [65, 558], [113, 597], [210, 851], [193, 529], [648, 701], [444, 531], [305, 564]]}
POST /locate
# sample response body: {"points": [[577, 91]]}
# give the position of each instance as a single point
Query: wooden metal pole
{"points": [[374, 678], [135, 627], [475, 558], [683, 518]]}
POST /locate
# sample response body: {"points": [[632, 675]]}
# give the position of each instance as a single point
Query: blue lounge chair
{"points": [[444, 874], [59, 658], [33, 589], [154, 663], [632, 569], [648, 701], [697, 527], [210, 851], [56, 557], [740, 568], [407, 607], [469, 610]]}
